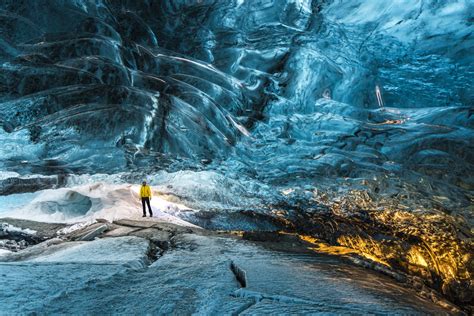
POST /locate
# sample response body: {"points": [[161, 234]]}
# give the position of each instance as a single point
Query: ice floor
{"points": [[111, 276]]}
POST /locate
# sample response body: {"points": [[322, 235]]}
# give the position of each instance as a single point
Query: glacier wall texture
{"points": [[281, 91], [309, 105]]}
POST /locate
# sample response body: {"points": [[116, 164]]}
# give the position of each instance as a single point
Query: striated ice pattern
{"points": [[283, 93], [350, 121]]}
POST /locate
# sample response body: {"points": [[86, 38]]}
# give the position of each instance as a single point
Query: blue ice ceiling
{"points": [[286, 94]]}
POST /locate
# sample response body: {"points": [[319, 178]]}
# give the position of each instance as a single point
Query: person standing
{"points": [[145, 196]]}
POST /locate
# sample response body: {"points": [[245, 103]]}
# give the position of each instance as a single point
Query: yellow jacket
{"points": [[145, 191]]}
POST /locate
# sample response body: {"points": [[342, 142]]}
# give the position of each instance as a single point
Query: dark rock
{"points": [[117, 231], [23, 185], [160, 238], [43, 230], [272, 236], [88, 233], [280, 241]]}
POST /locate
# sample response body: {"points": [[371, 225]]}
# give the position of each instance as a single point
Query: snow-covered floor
{"points": [[87, 202]]}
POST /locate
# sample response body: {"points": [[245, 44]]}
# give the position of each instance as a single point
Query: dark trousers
{"points": [[147, 201]]}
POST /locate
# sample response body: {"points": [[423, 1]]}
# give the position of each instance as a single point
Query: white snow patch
{"points": [[10, 228], [7, 174], [88, 202], [4, 252]]}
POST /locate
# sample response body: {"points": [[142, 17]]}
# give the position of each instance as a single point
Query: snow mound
{"points": [[88, 202]]}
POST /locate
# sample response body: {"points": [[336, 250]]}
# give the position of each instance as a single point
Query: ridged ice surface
{"points": [[73, 279], [351, 121], [286, 93]]}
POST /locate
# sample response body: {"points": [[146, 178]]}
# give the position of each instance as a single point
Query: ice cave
{"points": [[301, 157]]}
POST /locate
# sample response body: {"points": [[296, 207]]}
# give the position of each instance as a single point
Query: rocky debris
{"points": [[158, 224], [160, 234], [135, 223], [8, 231], [117, 231], [43, 230], [13, 245], [42, 249], [51, 237], [160, 238], [88, 233], [72, 228], [157, 233], [93, 233], [17, 234]]}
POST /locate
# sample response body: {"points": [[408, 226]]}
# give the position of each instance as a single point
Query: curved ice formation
{"points": [[87, 203], [285, 92], [289, 109]]}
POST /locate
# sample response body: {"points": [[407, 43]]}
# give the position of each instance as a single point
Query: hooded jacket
{"points": [[145, 191]]}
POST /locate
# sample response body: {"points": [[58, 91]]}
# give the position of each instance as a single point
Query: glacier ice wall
{"points": [[292, 94], [350, 121]]}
